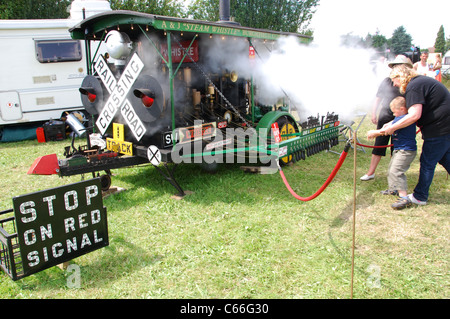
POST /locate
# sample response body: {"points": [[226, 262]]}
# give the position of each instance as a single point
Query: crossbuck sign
{"points": [[118, 90]]}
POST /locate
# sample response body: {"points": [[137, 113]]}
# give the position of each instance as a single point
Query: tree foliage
{"points": [[60, 9], [439, 44], [32, 9], [204, 10], [171, 8], [400, 41], [379, 42], [278, 15]]}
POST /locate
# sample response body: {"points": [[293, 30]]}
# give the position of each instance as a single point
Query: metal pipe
{"points": [[224, 10]]}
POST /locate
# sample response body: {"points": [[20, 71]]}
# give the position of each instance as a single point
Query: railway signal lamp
{"points": [[147, 97], [90, 93]]}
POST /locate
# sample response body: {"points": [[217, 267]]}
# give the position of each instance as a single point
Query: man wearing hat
{"points": [[401, 59], [428, 103]]}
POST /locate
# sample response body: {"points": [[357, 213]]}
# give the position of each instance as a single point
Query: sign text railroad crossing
{"points": [[118, 90]]}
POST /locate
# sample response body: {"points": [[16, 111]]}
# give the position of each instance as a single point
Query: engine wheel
{"points": [[286, 127], [105, 181]]}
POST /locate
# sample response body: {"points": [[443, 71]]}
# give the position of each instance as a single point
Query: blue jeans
{"points": [[434, 150]]}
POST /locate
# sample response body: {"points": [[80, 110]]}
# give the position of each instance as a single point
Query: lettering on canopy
{"points": [[213, 29]]}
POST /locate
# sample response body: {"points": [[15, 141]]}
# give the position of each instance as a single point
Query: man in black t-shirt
{"points": [[428, 103], [385, 94]]}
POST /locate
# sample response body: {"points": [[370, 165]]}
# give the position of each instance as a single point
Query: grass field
{"points": [[242, 235]]}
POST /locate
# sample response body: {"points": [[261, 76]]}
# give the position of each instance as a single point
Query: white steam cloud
{"points": [[315, 78], [320, 80]]}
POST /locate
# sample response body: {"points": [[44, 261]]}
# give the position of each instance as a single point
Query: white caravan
{"points": [[446, 62], [42, 66]]}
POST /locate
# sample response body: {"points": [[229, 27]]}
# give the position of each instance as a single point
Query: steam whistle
{"points": [[196, 97], [187, 76], [211, 92]]}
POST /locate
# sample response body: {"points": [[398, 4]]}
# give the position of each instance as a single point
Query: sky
{"points": [[421, 19]]}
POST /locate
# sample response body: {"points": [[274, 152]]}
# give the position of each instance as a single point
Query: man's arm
{"points": [[373, 134], [375, 107], [414, 114]]}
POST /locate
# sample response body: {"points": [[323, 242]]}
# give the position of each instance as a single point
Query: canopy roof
{"points": [[94, 27]]}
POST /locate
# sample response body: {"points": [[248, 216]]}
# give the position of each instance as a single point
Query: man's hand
{"points": [[372, 134]]}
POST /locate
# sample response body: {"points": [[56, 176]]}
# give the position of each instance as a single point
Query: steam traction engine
{"points": [[168, 90]]}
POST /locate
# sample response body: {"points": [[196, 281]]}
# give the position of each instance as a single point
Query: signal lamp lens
{"points": [[147, 100], [91, 97]]}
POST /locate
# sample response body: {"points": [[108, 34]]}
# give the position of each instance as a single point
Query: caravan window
{"points": [[58, 50], [446, 60]]}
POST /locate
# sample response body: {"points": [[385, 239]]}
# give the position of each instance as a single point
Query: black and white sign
{"points": [[154, 155], [118, 91], [59, 224]]}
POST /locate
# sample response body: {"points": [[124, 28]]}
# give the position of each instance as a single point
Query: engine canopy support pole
{"points": [[185, 53], [153, 44], [252, 96], [169, 176], [169, 65]]}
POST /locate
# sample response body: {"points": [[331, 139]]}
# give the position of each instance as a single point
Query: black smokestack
{"points": [[224, 13], [224, 10]]}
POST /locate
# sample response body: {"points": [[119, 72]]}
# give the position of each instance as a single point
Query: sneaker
{"points": [[413, 200], [402, 202], [389, 192], [367, 177]]}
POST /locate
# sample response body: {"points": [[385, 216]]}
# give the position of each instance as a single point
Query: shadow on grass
{"points": [[363, 271], [99, 270], [118, 259], [228, 183]]}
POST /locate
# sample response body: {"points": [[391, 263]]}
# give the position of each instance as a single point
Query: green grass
{"points": [[242, 235]]}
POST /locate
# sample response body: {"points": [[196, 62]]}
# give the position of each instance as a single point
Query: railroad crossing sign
{"points": [[154, 155], [118, 90]]}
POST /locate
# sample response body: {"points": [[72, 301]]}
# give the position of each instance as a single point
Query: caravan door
{"points": [[10, 109]]}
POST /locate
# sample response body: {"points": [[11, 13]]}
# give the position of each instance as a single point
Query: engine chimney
{"points": [[224, 12]]}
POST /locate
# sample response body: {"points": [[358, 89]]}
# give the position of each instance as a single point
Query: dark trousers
{"points": [[434, 150]]}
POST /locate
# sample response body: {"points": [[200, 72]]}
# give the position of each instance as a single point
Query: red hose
{"points": [[375, 146], [332, 175], [327, 182], [381, 146]]}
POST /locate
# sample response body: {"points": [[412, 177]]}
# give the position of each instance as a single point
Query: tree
{"points": [[379, 42], [32, 9], [400, 41], [278, 15], [171, 8], [439, 45], [204, 10]]}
